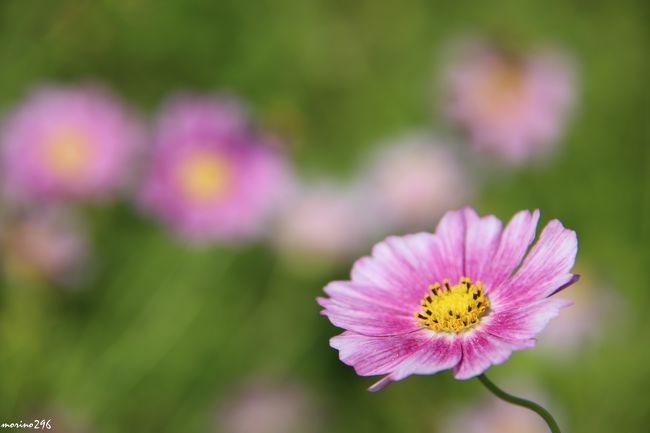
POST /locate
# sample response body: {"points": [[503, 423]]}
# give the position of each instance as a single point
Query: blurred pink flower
{"points": [[322, 221], [426, 302], [45, 244], [496, 416], [269, 408], [210, 176], [512, 106], [68, 143], [595, 304], [415, 180], [60, 419]]}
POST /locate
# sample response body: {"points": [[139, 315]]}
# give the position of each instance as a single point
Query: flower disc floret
{"points": [[447, 308]]}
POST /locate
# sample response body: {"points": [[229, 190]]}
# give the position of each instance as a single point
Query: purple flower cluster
{"points": [[205, 172]]}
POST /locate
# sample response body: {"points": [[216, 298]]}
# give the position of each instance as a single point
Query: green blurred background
{"points": [[164, 332]]}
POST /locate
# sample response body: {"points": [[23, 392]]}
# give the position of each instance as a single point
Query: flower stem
{"points": [[546, 415]]}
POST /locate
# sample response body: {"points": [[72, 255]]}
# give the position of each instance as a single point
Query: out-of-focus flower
{"points": [[414, 180], [45, 244], [323, 221], [514, 106], [58, 419], [68, 143], [426, 302], [269, 408], [496, 416], [210, 176], [595, 304]]}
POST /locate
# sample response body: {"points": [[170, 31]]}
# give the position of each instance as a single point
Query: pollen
{"points": [[447, 308]]}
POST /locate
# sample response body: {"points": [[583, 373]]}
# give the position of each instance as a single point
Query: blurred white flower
{"points": [[265, 407], [323, 221], [412, 181], [496, 416]]}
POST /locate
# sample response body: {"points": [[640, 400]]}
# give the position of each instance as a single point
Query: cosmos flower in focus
{"points": [[211, 177], [513, 106], [414, 180], [462, 298], [269, 408], [45, 245], [322, 221], [68, 143]]}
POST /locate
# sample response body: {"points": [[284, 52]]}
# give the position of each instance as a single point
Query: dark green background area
{"points": [[165, 332]]}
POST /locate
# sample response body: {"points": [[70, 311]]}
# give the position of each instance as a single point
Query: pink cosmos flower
{"points": [[462, 298], [68, 143], [415, 179], [512, 106], [211, 177]]}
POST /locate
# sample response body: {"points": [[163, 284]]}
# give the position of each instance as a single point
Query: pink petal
{"points": [[545, 269], [515, 240], [482, 242], [480, 351], [402, 266], [367, 309], [451, 239], [522, 324], [421, 352]]}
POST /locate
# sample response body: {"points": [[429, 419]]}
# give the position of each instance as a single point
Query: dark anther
{"points": [[429, 313], [451, 313], [479, 304], [469, 309], [475, 296]]}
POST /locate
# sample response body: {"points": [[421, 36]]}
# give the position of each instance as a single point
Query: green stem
{"points": [[546, 415]]}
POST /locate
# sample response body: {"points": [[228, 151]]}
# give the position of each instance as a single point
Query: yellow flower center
{"points": [[66, 151], [447, 308], [204, 176], [501, 93]]}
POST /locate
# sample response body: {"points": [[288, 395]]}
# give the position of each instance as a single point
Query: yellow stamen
{"points": [[447, 308], [66, 152], [204, 176]]}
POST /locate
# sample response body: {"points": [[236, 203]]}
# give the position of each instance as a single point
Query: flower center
{"points": [[502, 91], [204, 176], [66, 152], [449, 308]]}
